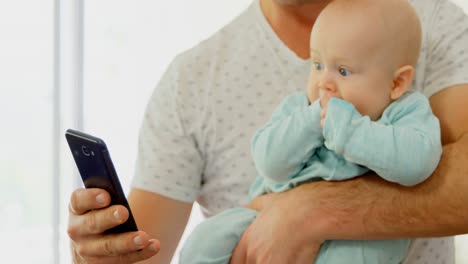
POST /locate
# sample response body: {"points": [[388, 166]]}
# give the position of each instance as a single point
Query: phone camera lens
{"points": [[85, 151]]}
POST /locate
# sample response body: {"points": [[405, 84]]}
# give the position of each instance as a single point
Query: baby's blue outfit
{"points": [[403, 146]]}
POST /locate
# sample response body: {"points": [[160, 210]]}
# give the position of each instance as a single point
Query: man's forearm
{"points": [[371, 208]]}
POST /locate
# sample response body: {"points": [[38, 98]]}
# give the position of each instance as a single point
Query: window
{"points": [[26, 158]]}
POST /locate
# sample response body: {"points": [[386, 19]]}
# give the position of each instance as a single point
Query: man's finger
{"points": [[132, 257], [146, 253], [98, 221], [116, 244], [84, 200]]}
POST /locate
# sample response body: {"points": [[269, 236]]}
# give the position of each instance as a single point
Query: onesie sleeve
{"points": [[168, 162], [447, 49], [403, 146], [282, 147]]}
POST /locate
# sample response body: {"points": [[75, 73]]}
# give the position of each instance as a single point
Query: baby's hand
{"points": [[324, 104]]}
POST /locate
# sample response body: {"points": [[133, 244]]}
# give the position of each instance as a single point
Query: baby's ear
{"points": [[402, 81]]}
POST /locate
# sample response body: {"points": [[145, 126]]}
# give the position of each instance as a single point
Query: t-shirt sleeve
{"points": [[447, 61], [168, 162]]}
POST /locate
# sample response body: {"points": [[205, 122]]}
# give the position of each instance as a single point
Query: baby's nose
{"points": [[327, 84]]}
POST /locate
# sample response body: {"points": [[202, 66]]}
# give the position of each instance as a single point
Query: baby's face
{"points": [[348, 62], [351, 77]]}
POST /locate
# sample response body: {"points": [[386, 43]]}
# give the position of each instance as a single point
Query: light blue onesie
{"points": [[403, 146]]}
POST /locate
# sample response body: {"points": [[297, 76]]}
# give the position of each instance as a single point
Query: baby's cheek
{"points": [[312, 93], [367, 110], [361, 107]]}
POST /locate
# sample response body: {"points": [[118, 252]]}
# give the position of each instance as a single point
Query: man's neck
{"points": [[293, 24]]}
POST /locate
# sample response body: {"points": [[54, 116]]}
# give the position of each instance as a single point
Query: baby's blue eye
{"points": [[344, 72], [318, 66]]}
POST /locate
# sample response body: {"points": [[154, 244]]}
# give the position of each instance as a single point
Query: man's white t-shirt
{"points": [[195, 138]]}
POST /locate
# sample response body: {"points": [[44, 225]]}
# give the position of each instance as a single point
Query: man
{"points": [[195, 137]]}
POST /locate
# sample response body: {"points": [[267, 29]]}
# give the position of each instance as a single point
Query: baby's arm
{"points": [[281, 147], [403, 147]]}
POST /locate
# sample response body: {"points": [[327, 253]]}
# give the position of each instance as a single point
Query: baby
{"points": [[356, 116]]}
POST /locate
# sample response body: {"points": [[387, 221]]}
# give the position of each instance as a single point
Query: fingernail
{"points": [[152, 247], [116, 215], [138, 241], [101, 198]]}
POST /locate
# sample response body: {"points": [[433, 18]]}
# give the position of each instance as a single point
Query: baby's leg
{"points": [[213, 240], [363, 252]]}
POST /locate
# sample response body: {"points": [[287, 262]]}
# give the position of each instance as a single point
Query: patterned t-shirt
{"points": [[195, 138]]}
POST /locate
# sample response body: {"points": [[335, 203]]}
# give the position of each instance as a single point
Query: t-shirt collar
{"points": [[278, 46]]}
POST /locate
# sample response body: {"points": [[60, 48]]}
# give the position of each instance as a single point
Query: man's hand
{"points": [[273, 237], [89, 217]]}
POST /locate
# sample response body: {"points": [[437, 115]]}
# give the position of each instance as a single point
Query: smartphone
{"points": [[97, 171]]}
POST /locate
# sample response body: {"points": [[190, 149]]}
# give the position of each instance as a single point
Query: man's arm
{"points": [[450, 106], [162, 218], [369, 207]]}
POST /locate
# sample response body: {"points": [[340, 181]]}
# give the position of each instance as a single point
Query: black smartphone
{"points": [[97, 171]]}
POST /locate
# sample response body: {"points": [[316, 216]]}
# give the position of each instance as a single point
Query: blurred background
{"points": [[88, 65]]}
